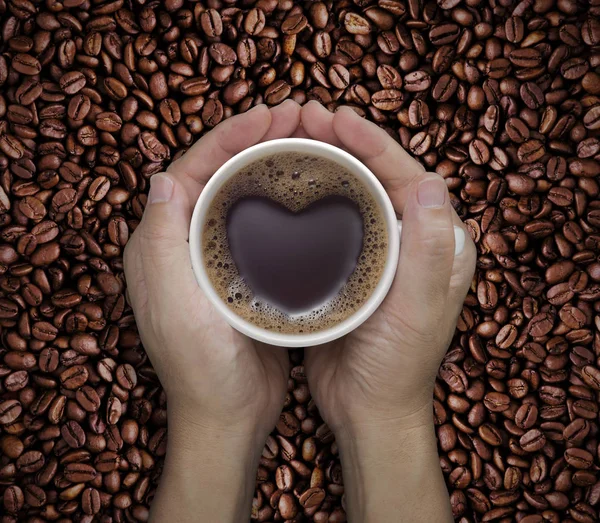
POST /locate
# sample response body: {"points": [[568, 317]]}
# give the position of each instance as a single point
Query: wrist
{"points": [[196, 422], [388, 466], [413, 433], [357, 423], [209, 469]]}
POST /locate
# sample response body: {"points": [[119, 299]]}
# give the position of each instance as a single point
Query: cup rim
{"points": [[316, 148]]}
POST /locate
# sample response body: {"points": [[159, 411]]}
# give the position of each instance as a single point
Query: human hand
{"points": [[385, 369], [225, 391], [374, 386]]}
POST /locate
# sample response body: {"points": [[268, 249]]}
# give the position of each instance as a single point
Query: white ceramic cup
{"points": [[348, 162]]}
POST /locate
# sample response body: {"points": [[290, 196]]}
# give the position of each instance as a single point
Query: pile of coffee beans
{"points": [[501, 97]]}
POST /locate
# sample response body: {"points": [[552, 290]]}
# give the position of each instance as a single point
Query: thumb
{"points": [[420, 290], [162, 242]]}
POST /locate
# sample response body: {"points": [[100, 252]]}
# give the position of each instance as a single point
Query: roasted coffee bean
{"points": [[72, 82], [126, 376], [79, 472], [74, 377], [500, 98], [578, 458], [222, 54], [10, 410], [30, 462], [517, 130], [417, 81], [212, 113], [532, 95], [577, 430], [106, 462], [532, 441], [11, 446], [90, 501], [13, 499], [35, 496], [277, 92], [73, 434], [26, 64], [591, 376], [88, 398], [387, 100]]}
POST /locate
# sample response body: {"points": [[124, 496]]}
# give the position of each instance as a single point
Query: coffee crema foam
{"points": [[295, 181]]}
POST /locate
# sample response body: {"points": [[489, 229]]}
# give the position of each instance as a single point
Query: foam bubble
{"points": [[294, 181]]}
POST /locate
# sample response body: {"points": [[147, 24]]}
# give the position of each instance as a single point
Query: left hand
{"points": [[213, 375], [225, 390]]}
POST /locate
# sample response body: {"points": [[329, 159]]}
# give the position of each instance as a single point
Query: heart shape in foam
{"points": [[295, 261]]}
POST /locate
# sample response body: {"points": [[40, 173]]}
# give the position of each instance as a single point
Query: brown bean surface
{"points": [[500, 97]]}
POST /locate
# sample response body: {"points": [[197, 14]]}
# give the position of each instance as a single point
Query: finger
{"points": [[226, 140], [318, 123], [426, 253], [161, 246], [277, 360], [193, 169], [394, 167], [320, 362], [300, 132], [463, 268], [285, 119]]}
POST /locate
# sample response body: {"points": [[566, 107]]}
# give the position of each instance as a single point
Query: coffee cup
{"points": [[347, 162]]}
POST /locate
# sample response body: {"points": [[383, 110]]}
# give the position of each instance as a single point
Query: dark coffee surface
{"points": [[295, 261], [294, 243]]}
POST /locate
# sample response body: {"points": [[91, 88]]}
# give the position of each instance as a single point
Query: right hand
{"points": [[384, 370]]}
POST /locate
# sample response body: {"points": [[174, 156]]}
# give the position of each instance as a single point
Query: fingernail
{"points": [[348, 110], [161, 189], [431, 193], [287, 102], [320, 107], [255, 108], [459, 240]]}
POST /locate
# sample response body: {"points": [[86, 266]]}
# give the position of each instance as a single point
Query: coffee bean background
{"points": [[501, 97]]}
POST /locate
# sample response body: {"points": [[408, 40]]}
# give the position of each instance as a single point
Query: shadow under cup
{"points": [[311, 148]]}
